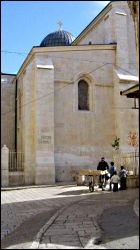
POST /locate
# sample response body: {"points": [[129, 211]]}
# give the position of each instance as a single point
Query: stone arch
{"points": [[83, 75]]}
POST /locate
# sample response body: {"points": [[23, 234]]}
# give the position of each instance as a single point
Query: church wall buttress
{"points": [[28, 125], [44, 121]]}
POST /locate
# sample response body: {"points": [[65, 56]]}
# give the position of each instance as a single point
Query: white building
{"points": [[69, 107]]}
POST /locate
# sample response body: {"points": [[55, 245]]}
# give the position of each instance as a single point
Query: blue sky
{"points": [[24, 24]]}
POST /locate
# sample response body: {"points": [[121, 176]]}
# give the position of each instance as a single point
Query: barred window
{"points": [[83, 95]]}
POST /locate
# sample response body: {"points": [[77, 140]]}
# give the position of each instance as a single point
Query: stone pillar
{"points": [[28, 124], [44, 121], [4, 166]]}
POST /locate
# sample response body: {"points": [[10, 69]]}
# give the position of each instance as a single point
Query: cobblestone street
{"points": [[69, 217], [20, 205]]}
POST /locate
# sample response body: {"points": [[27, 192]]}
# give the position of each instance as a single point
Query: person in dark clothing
{"points": [[123, 176], [112, 169], [102, 165]]}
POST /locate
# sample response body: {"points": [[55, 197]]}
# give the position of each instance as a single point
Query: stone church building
{"points": [[69, 108]]}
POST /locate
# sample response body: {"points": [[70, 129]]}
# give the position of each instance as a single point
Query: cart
{"points": [[93, 178]]}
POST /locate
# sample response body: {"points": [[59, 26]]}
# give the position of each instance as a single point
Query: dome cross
{"points": [[60, 25]]}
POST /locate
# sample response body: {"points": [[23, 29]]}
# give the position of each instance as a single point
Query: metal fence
{"points": [[130, 160], [16, 161]]}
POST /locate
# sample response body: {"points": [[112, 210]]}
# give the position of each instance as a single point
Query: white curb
{"points": [[35, 244]]}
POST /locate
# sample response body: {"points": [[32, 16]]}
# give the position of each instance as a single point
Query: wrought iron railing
{"points": [[16, 161]]}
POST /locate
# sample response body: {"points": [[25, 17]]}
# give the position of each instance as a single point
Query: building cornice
{"points": [[7, 74], [75, 48], [39, 50]]}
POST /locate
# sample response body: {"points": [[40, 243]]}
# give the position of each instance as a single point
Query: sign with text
{"points": [[45, 139]]}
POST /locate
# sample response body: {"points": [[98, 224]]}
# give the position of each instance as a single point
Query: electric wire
{"points": [[106, 63]]}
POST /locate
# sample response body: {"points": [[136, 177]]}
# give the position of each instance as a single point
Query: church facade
{"points": [[69, 107]]}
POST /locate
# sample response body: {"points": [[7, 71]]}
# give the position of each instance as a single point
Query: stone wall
{"points": [[80, 139], [115, 25], [8, 87], [71, 135]]}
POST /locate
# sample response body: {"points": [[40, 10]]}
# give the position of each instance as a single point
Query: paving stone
{"points": [[76, 225]]}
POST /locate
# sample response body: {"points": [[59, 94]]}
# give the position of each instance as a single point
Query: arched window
{"points": [[83, 95]]}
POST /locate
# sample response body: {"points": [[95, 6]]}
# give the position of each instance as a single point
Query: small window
{"points": [[83, 95]]}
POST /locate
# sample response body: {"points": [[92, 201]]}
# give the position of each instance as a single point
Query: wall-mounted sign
{"points": [[45, 139]]}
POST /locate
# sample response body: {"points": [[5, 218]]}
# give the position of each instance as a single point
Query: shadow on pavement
{"points": [[118, 222], [75, 192], [85, 190], [23, 235]]}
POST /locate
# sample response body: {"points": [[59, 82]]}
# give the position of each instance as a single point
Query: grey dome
{"points": [[58, 38]]}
